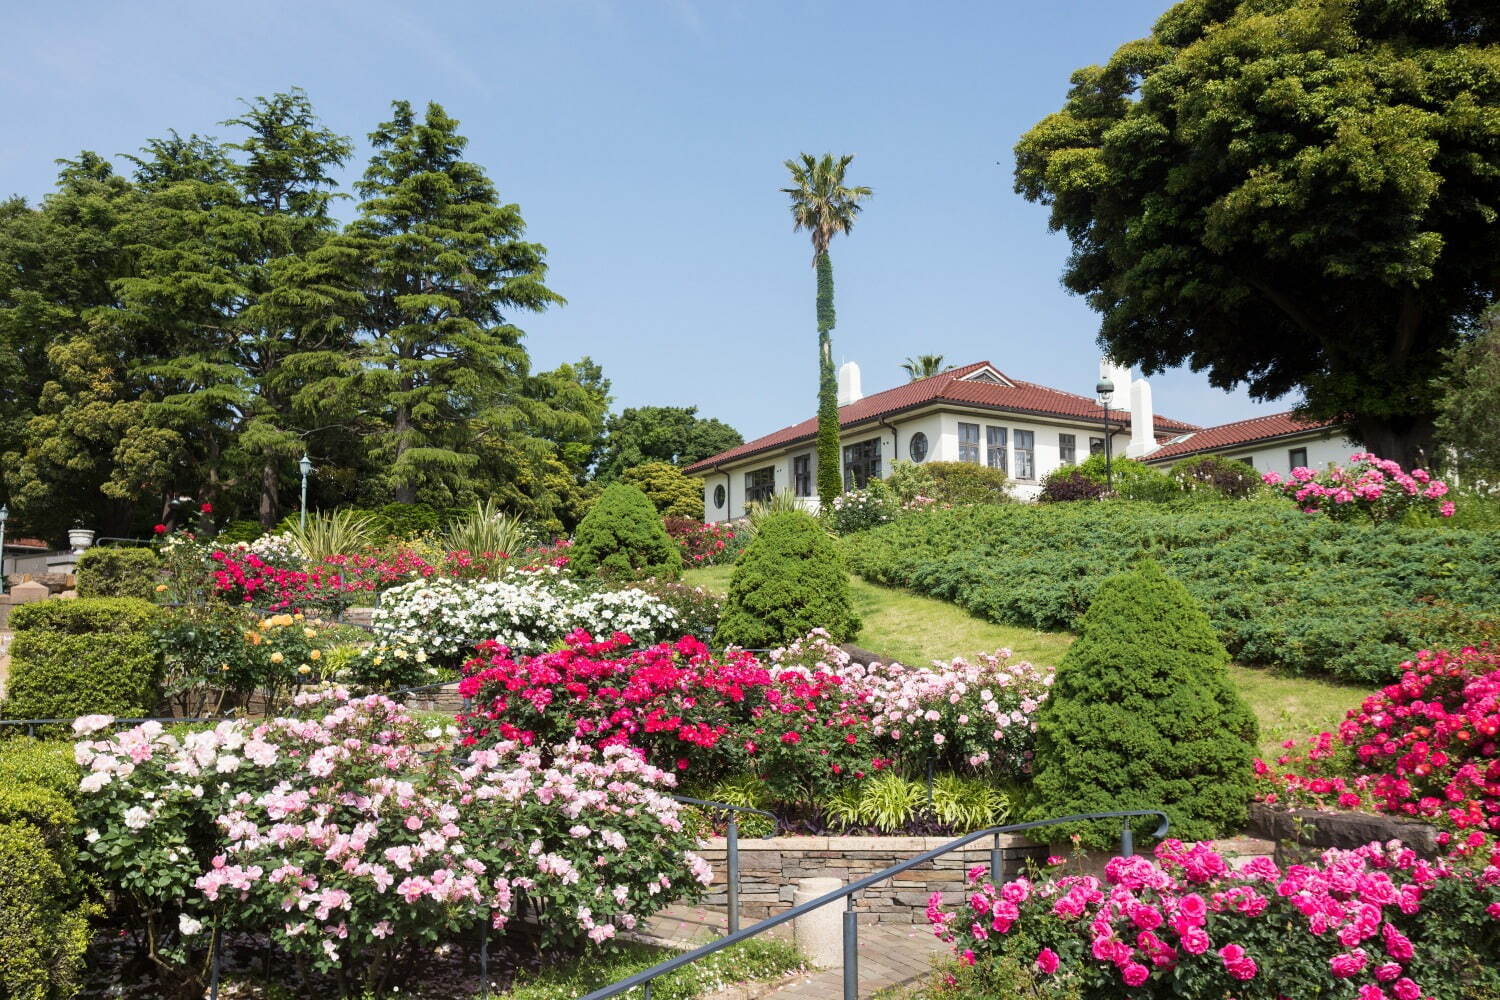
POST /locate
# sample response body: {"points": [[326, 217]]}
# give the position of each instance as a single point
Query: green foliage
{"points": [[1214, 475], [239, 531], [118, 572], [1132, 480], [789, 581], [924, 366], [406, 520], [486, 528], [1468, 393], [1254, 180], [45, 810], [749, 791], [966, 803], [1142, 716], [81, 657], [1066, 484], [959, 483], [1281, 588], [43, 929], [888, 801], [622, 536], [670, 492], [672, 434], [335, 533], [861, 509], [41, 763], [757, 511]]}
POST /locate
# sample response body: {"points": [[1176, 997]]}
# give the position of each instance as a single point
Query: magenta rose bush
{"points": [[1427, 746], [1369, 487], [345, 836], [1377, 923]]}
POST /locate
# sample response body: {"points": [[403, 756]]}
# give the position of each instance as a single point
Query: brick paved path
{"points": [[889, 955]]}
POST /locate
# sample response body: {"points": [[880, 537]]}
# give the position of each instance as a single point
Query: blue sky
{"points": [[643, 140]]}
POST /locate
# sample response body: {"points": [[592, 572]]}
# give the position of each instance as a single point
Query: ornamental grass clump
{"points": [[789, 581], [622, 536], [1142, 716]]}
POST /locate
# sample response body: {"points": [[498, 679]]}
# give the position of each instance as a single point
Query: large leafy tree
{"points": [[1292, 194], [234, 349], [440, 262], [825, 206], [1468, 422], [673, 434]]}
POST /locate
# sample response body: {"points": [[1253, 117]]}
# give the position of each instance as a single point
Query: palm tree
{"points": [[925, 366], [823, 206]]}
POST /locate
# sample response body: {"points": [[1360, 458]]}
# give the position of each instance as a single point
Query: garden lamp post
{"points": [[4, 516], [306, 466], [1106, 392]]}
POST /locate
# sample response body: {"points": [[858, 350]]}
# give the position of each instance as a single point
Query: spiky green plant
{"points": [[337, 533], [486, 528], [890, 801], [749, 792], [968, 803], [842, 808], [758, 510]]}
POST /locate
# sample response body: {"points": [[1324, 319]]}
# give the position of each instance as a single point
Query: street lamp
{"points": [[1106, 392], [306, 466], [4, 516]]}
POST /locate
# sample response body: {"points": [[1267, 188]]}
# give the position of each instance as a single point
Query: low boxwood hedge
{"points": [[111, 572], [1281, 587], [84, 656]]}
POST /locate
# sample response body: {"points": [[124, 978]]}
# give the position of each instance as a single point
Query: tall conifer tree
{"points": [[441, 262]]}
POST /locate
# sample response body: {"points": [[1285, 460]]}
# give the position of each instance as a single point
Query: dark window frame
{"points": [[1025, 456], [968, 449], [861, 463], [1067, 449], [1291, 457], [802, 475], [760, 484], [997, 444]]}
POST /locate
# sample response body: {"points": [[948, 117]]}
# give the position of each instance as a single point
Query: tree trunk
{"points": [[405, 491], [269, 494], [830, 477], [1407, 440]]}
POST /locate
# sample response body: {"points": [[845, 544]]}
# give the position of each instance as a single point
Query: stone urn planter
{"points": [[80, 538]]}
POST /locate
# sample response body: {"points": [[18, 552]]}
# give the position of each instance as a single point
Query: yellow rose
{"points": [[276, 657], [299, 616], [309, 633], [304, 669], [379, 660], [161, 587], [316, 654]]}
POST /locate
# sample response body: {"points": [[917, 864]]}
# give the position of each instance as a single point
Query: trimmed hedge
{"points": [[84, 656], [789, 581], [43, 930], [1281, 588], [1142, 715], [118, 572], [45, 764], [622, 536]]}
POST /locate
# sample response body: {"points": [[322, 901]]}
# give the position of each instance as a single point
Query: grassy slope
{"points": [[915, 629]]}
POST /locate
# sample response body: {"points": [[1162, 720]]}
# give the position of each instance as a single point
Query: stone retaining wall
{"points": [[771, 868]]}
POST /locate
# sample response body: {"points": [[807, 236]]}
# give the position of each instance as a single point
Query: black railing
{"points": [[849, 893], [731, 851]]}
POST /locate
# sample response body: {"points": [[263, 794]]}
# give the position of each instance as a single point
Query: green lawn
{"points": [[915, 629]]}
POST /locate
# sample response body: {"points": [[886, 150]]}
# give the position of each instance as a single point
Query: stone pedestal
{"points": [[820, 934], [29, 592]]}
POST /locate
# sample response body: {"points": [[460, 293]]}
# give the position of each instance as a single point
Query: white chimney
{"points": [[1142, 421], [849, 389]]}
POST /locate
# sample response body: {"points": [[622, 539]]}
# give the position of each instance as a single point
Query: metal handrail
{"points": [[732, 850], [851, 916]]}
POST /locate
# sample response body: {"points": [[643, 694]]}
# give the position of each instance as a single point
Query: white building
{"points": [[1278, 442], [974, 413]]}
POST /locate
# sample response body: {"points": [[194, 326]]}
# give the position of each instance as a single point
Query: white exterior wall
{"points": [[941, 428], [1321, 451]]}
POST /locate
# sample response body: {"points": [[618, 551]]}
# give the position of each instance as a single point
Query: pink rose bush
{"points": [[1427, 746], [337, 833], [1371, 487], [1376, 923]]}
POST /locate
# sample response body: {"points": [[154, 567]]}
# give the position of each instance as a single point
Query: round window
{"points": [[719, 497], [918, 447]]}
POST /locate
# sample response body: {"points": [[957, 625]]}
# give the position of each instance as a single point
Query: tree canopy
{"points": [[1300, 195], [189, 328], [672, 434]]}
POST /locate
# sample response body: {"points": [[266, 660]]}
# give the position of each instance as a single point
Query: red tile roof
{"points": [[1226, 437], [948, 387]]}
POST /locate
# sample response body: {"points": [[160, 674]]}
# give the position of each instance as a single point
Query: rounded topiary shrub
{"points": [[108, 572], [43, 930], [1142, 715], [82, 657], [788, 581], [622, 536]]}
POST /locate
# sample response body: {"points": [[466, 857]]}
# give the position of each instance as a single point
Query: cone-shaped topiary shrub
{"points": [[1142, 716], [788, 581], [622, 536]]}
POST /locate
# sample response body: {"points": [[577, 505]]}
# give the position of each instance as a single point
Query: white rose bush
{"points": [[347, 838], [528, 612]]}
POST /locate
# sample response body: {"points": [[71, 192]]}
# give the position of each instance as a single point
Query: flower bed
{"points": [[1370, 487], [1378, 923], [1427, 746], [333, 835]]}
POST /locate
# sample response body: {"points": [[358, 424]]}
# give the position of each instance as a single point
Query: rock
{"points": [[1313, 828]]}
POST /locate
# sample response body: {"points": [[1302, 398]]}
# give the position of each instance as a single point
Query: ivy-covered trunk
{"points": [[830, 481]]}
